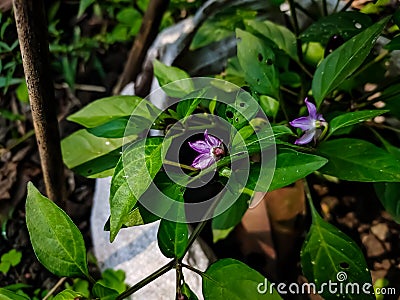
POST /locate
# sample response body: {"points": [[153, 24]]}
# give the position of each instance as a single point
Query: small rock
{"points": [[380, 230], [373, 245], [350, 220], [383, 265]]}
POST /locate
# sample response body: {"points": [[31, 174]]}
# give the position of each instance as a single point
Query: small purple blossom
{"points": [[311, 125], [211, 150]]}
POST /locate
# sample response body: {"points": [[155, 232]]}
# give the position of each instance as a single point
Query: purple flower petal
{"points": [[203, 161], [211, 140], [200, 146], [312, 110], [306, 138], [304, 123]]}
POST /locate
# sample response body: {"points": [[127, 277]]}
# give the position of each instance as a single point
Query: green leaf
{"points": [[328, 252], [104, 292], [13, 257], [186, 107], [231, 279], [342, 62], [83, 5], [90, 148], [99, 167], [190, 295], [224, 223], [269, 105], [358, 160], [257, 61], [113, 279], [22, 92], [394, 44], [290, 166], [8, 295], [107, 109], [346, 24], [388, 193], [352, 118], [280, 35], [57, 242], [143, 160], [172, 236], [173, 77], [5, 267], [68, 295]]}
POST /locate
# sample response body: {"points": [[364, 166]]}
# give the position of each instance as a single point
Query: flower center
{"points": [[218, 152]]}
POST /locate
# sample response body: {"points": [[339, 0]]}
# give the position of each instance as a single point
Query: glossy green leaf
{"points": [[269, 105], [107, 109], [113, 279], [173, 77], [231, 279], [186, 107], [90, 148], [142, 159], [359, 160], [68, 295], [13, 257], [280, 35], [257, 61], [9, 295], [290, 166], [330, 255], [57, 242], [190, 295], [99, 167], [172, 236], [342, 62], [224, 223], [394, 44], [83, 5], [346, 24], [352, 118], [388, 193], [103, 292]]}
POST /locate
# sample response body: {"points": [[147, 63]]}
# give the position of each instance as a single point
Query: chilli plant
{"points": [[316, 99]]}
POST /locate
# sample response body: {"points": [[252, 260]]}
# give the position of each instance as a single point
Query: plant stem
{"points": [[325, 8], [197, 271], [32, 36], [147, 280], [348, 4], [54, 288], [147, 33], [202, 224], [296, 28]]}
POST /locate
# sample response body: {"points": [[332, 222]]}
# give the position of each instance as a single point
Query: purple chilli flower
{"points": [[311, 125], [211, 150]]}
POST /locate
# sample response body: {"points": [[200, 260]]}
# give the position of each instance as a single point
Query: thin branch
{"points": [[296, 28], [54, 288], [147, 280], [32, 35], [144, 39], [348, 4]]}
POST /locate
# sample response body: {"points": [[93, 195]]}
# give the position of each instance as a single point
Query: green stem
{"points": [[175, 164], [197, 271], [202, 224], [147, 280], [309, 197]]}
